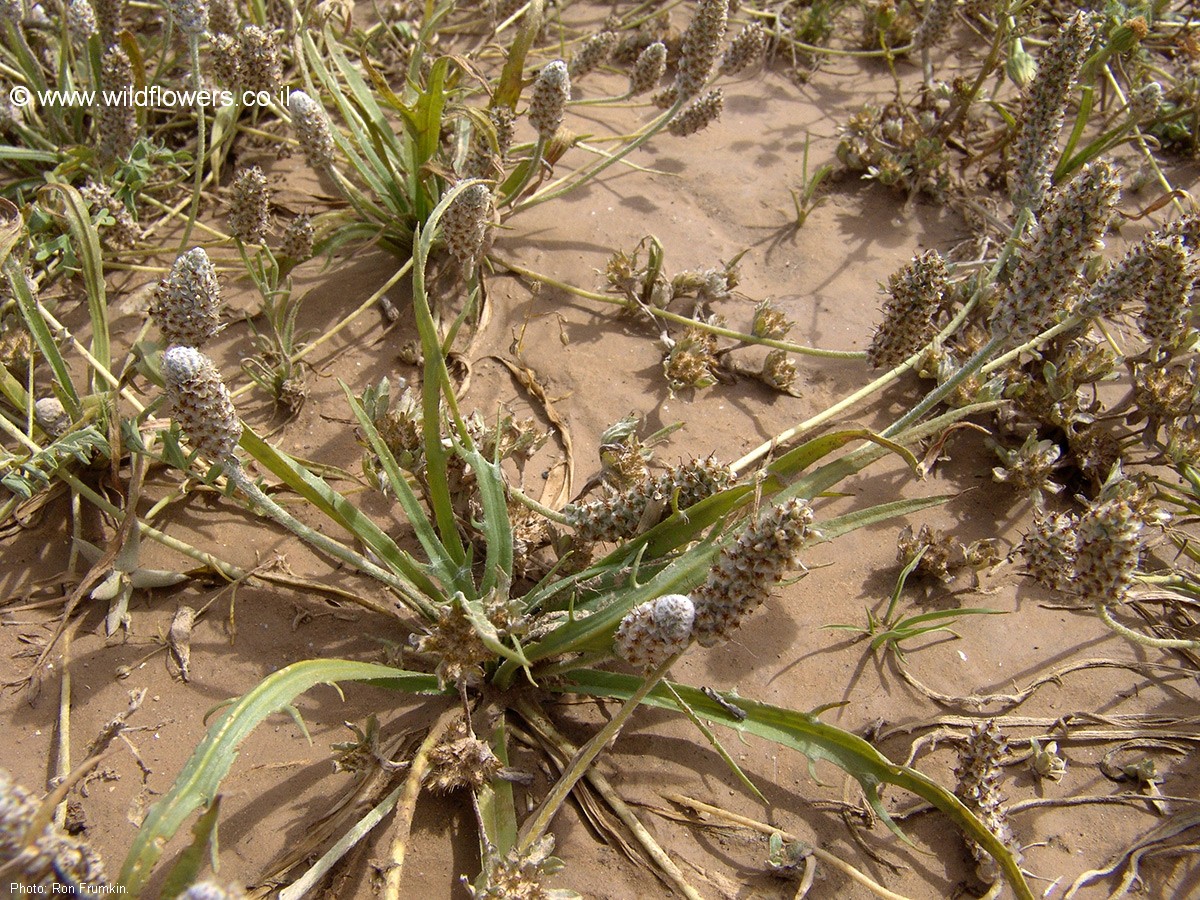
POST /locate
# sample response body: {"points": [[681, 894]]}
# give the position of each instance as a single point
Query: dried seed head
{"points": [[915, 294], [1029, 467], [1049, 549], [259, 65], [1044, 107], [190, 16], [698, 50], [744, 49], [116, 119], [747, 569], [464, 762], [1046, 276], [770, 322], [51, 416], [699, 115], [223, 17], [456, 644], [621, 514], [45, 862], [934, 24], [551, 91], [311, 125], [666, 97], [778, 371], [649, 68], [187, 302], [109, 16], [654, 631], [691, 361], [200, 403], [122, 231], [226, 59], [594, 53], [1132, 278], [467, 223], [249, 207], [943, 553], [520, 875], [81, 21], [1110, 545], [209, 890], [1166, 394], [978, 788]]}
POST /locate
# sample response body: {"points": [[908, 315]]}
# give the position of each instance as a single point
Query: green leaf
{"points": [[87, 248], [497, 803], [204, 843], [318, 492], [46, 344], [807, 734], [440, 559], [508, 87], [197, 784]]}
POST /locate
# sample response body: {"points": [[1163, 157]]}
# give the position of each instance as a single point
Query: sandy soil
{"points": [[710, 197]]}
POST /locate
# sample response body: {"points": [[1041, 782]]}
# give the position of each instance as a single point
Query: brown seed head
{"points": [[259, 64], [744, 49], [699, 115], [748, 568], [467, 223], [123, 231], [45, 862], [249, 206], [1045, 106], [116, 119], [1049, 549], [200, 403], [698, 50], [619, 514], [979, 775], [1046, 276], [915, 295], [189, 16], [297, 242], [934, 24], [594, 53], [81, 21], [1110, 545]]}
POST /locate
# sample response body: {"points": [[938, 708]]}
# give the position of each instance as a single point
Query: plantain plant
{"points": [[477, 628]]}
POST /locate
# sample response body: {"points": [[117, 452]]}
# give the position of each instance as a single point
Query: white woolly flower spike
{"points": [[466, 224], [186, 304], [201, 404], [551, 91], [649, 68], [190, 16], [654, 631], [51, 416], [311, 125]]}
